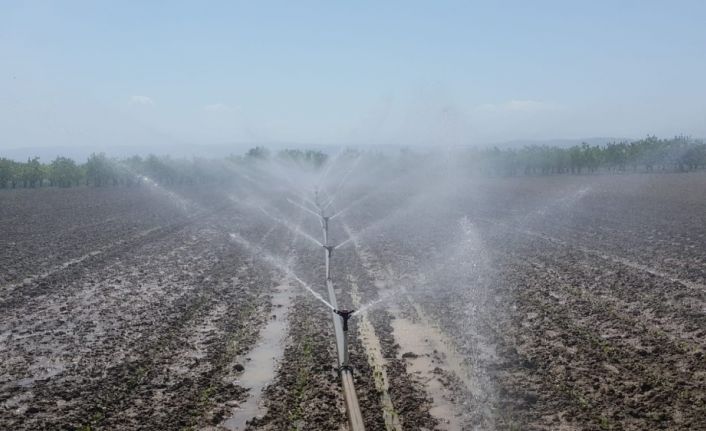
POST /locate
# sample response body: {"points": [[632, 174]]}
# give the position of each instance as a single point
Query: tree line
{"points": [[678, 154], [100, 170]]}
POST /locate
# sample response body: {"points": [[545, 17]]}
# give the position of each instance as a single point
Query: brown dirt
{"points": [[577, 303]]}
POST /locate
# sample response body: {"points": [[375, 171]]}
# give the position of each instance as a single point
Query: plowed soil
{"points": [[568, 302]]}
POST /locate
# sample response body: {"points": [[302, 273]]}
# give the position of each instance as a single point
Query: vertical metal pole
{"points": [[346, 362], [340, 324], [324, 222], [328, 263], [345, 316]]}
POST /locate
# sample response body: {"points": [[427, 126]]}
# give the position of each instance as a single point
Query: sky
{"points": [[141, 73]]}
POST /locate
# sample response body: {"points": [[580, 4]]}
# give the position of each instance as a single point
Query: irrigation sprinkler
{"points": [[329, 249], [345, 316], [340, 316]]}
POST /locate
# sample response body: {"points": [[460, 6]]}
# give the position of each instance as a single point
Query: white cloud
{"points": [[520, 106], [141, 100]]}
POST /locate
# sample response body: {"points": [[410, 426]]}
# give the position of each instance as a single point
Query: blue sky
{"points": [[366, 72]]}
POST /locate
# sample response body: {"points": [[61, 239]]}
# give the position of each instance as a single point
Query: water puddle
{"points": [[42, 369], [427, 351], [261, 362], [371, 342]]}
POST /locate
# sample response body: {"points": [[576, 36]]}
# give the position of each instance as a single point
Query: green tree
{"points": [[32, 173], [6, 172], [64, 172], [260, 153], [98, 170]]}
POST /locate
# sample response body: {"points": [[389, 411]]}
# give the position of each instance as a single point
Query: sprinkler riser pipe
{"points": [[345, 348], [327, 260], [345, 316], [325, 223]]}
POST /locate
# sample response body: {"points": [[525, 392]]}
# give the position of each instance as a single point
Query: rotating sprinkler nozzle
{"points": [[345, 315]]}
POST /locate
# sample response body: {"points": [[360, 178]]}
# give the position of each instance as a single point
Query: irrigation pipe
{"points": [[340, 326]]}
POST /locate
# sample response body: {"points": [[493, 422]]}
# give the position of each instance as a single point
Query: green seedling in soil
{"points": [[137, 377], [301, 385], [514, 426], [95, 419], [604, 423]]}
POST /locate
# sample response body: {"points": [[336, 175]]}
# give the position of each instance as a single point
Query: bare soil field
{"points": [[572, 303], [567, 302]]}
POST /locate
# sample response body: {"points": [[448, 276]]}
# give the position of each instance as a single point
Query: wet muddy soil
{"points": [[546, 303], [569, 311]]}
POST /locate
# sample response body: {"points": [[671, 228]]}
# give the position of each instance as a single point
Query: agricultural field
{"points": [[568, 302]]}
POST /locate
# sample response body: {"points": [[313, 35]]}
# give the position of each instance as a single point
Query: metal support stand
{"points": [[329, 250], [345, 316], [340, 321], [340, 325]]}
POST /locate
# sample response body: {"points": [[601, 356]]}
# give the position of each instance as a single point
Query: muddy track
{"points": [[409, 404], [305, 393], [433, 396]]}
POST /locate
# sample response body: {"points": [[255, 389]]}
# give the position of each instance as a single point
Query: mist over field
{"points": [[372, 216], [490, 289]]}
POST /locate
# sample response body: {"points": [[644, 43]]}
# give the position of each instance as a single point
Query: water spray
{"points": [[302, 207], [316, 198], [340, 316]]}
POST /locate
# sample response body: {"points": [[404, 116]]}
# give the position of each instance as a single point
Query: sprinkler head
{"points": [[345, 315]]}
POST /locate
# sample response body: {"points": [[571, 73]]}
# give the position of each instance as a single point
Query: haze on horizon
{"points": [[83, 73]]}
